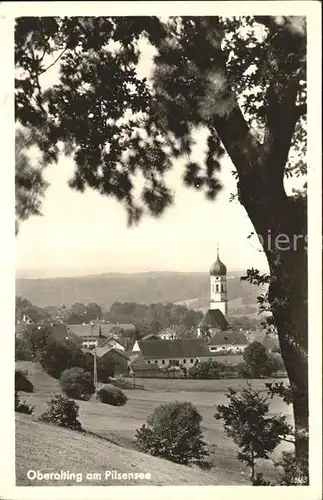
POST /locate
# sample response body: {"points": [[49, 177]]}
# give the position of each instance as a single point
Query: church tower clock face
{"points": [[218, 286]]}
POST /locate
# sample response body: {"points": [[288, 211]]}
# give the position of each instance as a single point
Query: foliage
{"points": [[259, 363], [53, 354], [112, 396], [77, 383], [190, 52], [154, 317], [243, 322], [22, 406], [37, 338], [106, 369], [63, 412], [207, 370], [174, 432], [35, 313], [30, 185], [246, 421], [22, 382], [279, 389], [22, 349], [291, 475], [80, 313]]}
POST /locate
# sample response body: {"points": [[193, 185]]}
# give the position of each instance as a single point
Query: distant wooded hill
{"points": [[191, 289]]}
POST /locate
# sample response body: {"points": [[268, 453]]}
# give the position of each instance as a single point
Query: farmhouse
{"points": [[185, 352], [224, 341], [93, 335], [150, 336]]}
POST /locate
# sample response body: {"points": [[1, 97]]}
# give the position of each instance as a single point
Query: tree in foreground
{"points": [[241, 81], [246, 421], [174, 432]]}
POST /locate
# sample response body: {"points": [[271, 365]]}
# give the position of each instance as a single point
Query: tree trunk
{"points": [[281, 223]]}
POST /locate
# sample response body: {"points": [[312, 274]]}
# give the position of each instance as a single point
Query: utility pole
{"points": [[95, 370]]}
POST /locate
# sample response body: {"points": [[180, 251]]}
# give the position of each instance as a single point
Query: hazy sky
{"points": [[87, 233]]}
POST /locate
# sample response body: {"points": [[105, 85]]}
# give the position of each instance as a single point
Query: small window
{"points": [[169, 361], [184, 361], [163, 362], [148, 361], [192, 360], [217, 288], [156, 361]]}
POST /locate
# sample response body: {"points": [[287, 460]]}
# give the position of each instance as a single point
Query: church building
{"points": [[215, 319], [215, 323]]}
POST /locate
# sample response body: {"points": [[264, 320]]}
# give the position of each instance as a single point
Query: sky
{"points": [[80, 234], [87, 233]]}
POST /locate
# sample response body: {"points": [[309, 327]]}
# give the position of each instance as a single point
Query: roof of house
{"points": [[151, 336], [117, 352], [84, 330], [230, 337], [124, 326], [214, 318], [178, 348], [99, 329], [105, 341]]}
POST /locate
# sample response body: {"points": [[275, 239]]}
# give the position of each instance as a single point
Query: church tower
{"points": [[218, 282]]}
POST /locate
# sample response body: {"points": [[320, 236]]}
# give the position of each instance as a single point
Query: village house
{"points": [[94, 335], [150, 336], [233, 341], [163, 352]]}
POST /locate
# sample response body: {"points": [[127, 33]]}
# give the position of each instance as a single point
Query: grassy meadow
{"points": [[118, 426]]}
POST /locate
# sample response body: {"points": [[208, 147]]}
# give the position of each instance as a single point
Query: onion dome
{"points": [[218, 268]]}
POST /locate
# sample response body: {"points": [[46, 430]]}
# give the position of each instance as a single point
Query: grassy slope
{"points": [[48, 448], [120, 423]]}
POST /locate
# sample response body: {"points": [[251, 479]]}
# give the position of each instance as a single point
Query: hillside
{"points": [[53, 449], [143, 288]]}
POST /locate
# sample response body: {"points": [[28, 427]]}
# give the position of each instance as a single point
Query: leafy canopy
{"points": [[120, 126]]}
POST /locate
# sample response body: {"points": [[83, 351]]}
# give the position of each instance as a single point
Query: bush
{"points": [[62, 412], [292, 475], [22, 383], [207, 370], [112, 396], [173, 432], [77, 383], [21, 406], [274, 364]]}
